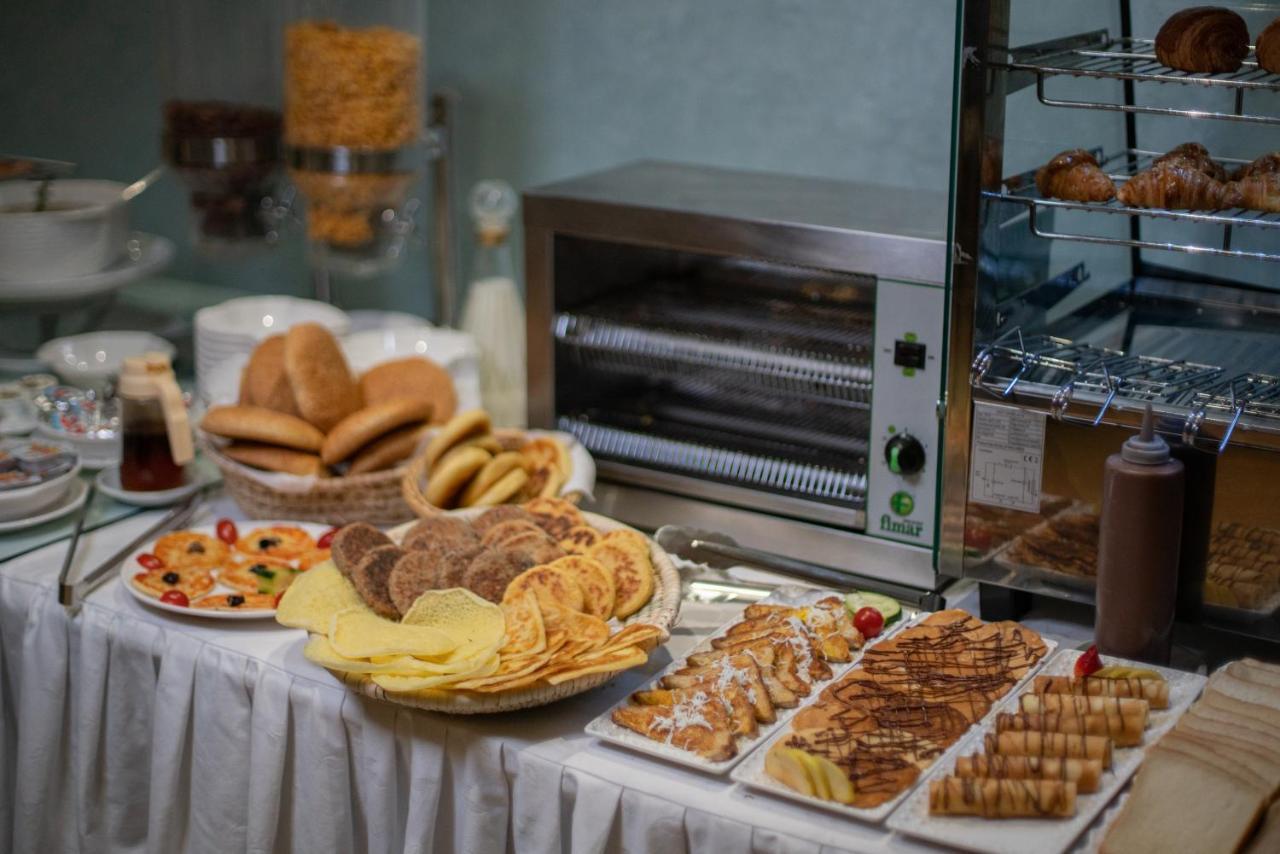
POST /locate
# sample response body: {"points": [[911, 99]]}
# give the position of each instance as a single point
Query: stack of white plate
{"points": [[227, 333]]}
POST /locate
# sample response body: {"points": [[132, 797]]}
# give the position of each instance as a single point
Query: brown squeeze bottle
{"points": [[1141, 527]]}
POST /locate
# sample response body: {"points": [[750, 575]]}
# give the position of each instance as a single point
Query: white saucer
{"points": [[146, 254], [74, 498], [108, 481]]}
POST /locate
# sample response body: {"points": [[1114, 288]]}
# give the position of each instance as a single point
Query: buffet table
{"points": [[136, 730]]}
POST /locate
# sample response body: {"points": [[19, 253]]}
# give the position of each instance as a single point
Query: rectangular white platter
{"points": [[752, 775], [1042, 835], [606, 730]]}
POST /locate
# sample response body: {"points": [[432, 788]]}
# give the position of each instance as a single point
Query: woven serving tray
{"points": [[663, 610]]}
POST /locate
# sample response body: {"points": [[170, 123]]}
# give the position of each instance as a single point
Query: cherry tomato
{"points": [[227, 531], [175, 597], [869, 621], [1088, 662], [150, 561], [978, 538], [326, 538], [276, 602]]}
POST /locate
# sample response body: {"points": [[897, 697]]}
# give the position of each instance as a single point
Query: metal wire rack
{"points": [[736, 467], [626, 348], [1098, 55], [1120, 167], [1066, 372]]}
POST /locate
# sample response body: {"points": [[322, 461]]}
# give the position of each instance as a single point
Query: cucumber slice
{"points": [[886, 605]]}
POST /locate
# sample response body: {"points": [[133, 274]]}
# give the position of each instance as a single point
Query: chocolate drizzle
{"points": [[912, 697]]}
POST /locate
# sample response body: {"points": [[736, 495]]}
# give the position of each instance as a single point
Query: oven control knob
{"points": [[904, 454]]}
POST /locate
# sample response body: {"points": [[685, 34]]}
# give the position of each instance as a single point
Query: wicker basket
{"points": [[663, 610], [375, 497]]}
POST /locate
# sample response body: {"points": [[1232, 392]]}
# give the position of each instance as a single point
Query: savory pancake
{"points": [[156, 582], [191, 550], [283, 541]]}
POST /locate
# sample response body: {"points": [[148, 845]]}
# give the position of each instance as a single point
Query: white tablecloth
{"points": [[124, 728]]}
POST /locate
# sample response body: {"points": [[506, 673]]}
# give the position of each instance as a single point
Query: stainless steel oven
{"points": [[757, 354]]}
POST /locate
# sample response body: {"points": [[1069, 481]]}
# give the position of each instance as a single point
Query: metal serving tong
{"points": [[719, 551], [71, 594]]}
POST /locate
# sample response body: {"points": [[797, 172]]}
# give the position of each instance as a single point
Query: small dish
{"points": [[108, 481], [93, 360], [70, 502], [249, 319], [26, 501], [95, 452]]}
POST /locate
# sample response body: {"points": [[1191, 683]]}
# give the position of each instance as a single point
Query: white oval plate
{"points": [[108, 481], [130, 567], [71, 501]]}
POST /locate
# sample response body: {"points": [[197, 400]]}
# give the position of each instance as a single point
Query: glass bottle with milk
{"points": [[494, 313]]}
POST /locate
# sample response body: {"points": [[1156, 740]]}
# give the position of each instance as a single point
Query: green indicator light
{"points": [[908, 372], [902, 503], [892, 429], [910, 336]]}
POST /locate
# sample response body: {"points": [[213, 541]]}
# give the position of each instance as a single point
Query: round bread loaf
{"points": [[275, 458], [395, 447], [364, 426], [258, 424], [264, 382], [322, 383], [353, 542], [506, 513], [419, 571], [415, 376], [370, 579], [1267, 49], [507, 487], [494, 470], [440, 530], [491, 571], [463, 426]]}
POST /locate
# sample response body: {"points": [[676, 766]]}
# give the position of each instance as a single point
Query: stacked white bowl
{"points": [[227, 333]]}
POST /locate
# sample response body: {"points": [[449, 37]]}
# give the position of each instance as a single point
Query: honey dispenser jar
{"points": [[155, 431]]}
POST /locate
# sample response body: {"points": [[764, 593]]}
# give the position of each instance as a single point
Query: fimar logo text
{"points": [[905, 527]]}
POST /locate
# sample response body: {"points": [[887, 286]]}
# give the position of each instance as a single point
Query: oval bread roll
{"points": [[493, 471], [257, 424], [362, 427], [464, 425], [415, 376], [503, 491], [396, 446], [322, 383], [449, 477], [275, 458], [264, 382]]}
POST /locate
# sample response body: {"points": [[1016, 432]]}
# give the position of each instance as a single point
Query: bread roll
{"points": [[1203, 39], [415, 376], [256, 424], [264, 381], [1074, 175], [463, 426], [322, 383], [383, 453], [275, 458], [1267, 49], [363, 426]]}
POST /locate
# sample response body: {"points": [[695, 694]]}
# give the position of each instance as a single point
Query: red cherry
{"points": [[227, 531], [326, 538], [175, 597], [869, 621], [150, 561]]}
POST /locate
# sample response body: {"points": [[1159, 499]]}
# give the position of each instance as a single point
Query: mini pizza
{"points": [[191, 550], [258, 575], [236, 602], [190, 581], [312, 557], [282, 541]]}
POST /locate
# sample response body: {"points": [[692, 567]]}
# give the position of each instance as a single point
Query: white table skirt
{"points": [[128, 729]]}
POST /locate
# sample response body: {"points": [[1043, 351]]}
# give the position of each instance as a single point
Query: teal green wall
{"points": [[548, 88]]}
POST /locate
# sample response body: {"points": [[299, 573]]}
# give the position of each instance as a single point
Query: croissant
{"points": [[1203, 39], [1195, 155], [1174, 185], [1074, 175], [1258, 192], [1267, 50], [1265, 164]]}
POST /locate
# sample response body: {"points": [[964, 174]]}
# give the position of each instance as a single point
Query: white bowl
{"points": [[93, 360], [31, 500], [83, 233], [94, 453], [233, 322]]}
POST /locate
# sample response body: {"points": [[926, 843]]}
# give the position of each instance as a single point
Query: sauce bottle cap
{"points": [[1146, 448]]}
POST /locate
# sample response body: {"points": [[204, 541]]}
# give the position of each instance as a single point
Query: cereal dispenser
{"points": [[354, 130], [221, 119]]}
